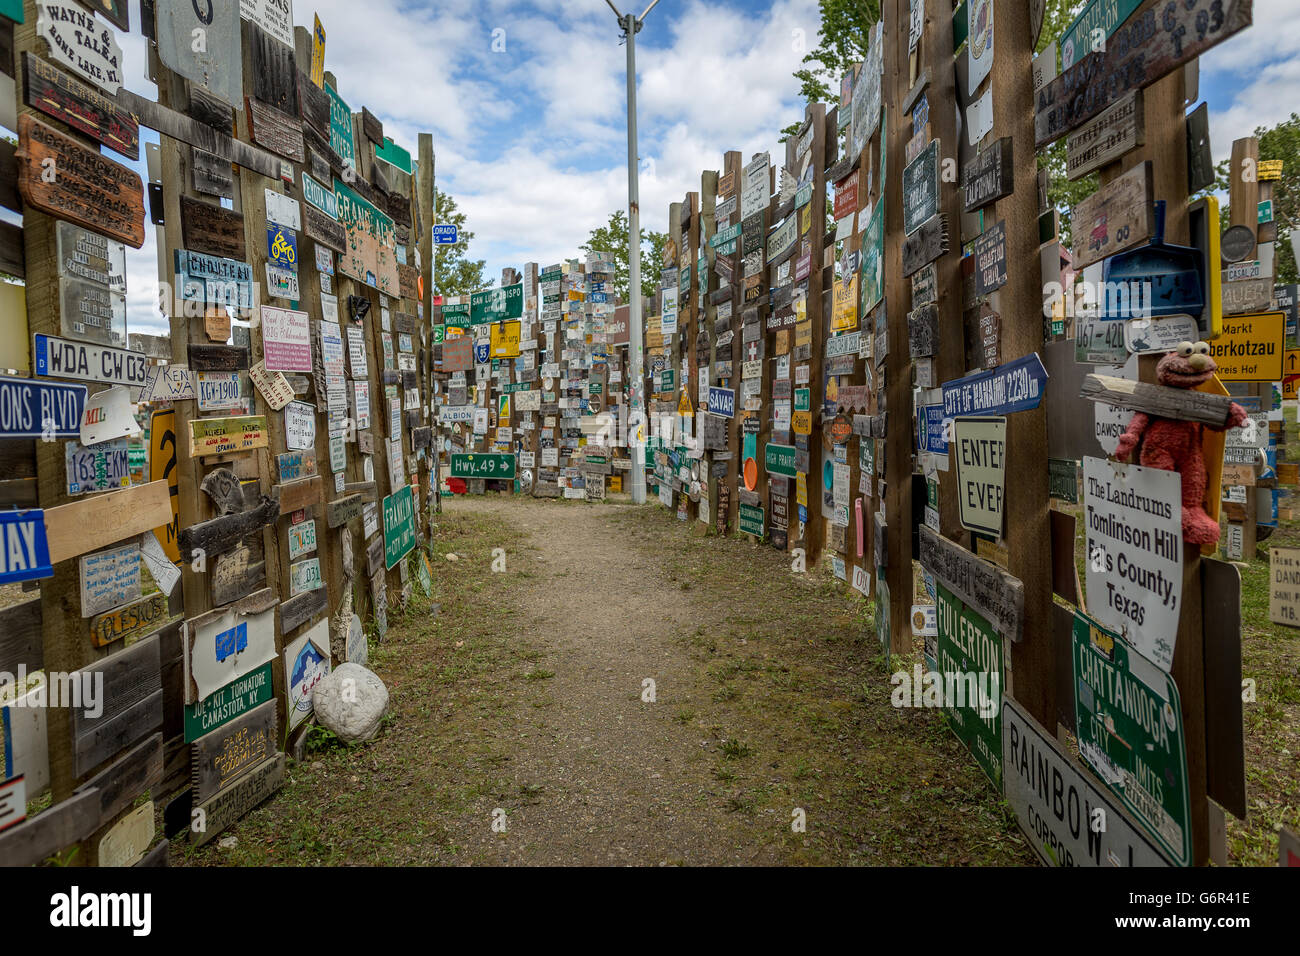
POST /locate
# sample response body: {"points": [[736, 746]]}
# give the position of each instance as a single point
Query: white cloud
{"points": [[1260, 68]]}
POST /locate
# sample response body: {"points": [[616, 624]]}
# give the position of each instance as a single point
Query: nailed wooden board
{"points": [[305, 607], [313, 105], [218, 759], [177, 125], [228, 806], [296, 495], [1225, 764], [127, 777], [217, 535], [1116, 217], [82, 107], [50, 831], [1182, 404], [925, 245], [1105, 138], [21, 643], [211, 174], [277, 131], [275, 71], [992, 592], [132, 704], [1153, 42], [93, 523], [322, 229], [211, 229], [989, 176], [342, 510], [90, 190]]}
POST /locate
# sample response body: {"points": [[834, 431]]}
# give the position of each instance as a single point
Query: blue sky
{"points": [[531, 139]]}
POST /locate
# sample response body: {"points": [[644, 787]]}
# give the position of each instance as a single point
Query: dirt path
{"points": [[518, 695]]}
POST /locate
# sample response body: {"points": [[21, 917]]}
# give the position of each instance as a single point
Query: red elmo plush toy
{"points": [[1176, 446]]}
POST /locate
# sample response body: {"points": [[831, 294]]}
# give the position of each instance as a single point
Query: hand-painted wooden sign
{"points": [[224, 436], [133, 620], [1106, 138], [226, 644], [921, 188], [213, 280], [79, 42], [210, 229], [89, 190], [109, 578], [215, 64], [1151, 44], [68, 100], [235, 802], [990, 591], [989, 176], [922, 247], [211, 174], [991, 260], [225, 754], [1117, 216]]}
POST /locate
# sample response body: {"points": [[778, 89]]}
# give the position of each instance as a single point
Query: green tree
{"points": [[846, 25], [1281, 142], [610, 242], [1062, 194], [453, 273]]}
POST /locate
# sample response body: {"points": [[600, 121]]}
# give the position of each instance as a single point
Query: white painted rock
{"points": [[350, 702]]}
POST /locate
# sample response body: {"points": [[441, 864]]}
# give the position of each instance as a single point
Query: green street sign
{"points": [[779, 460], [439, 334], [399, 526], [1063, 479], [1129, 723], [234, 700], [751, 520], [341, 128], [803, 399], [394, 155], [970, 664], [1104, 15], [495, 305], [483, 466]]}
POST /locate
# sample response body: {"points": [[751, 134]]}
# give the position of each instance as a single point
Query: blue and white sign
{"points": [[1015, 387], [24, 550], [930, 430], [87, 362], [482, 351], [722, 401], [31, 409], [446, 235]]}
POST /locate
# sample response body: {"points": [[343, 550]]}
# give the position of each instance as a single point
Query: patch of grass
{"points": [[733, 749]]}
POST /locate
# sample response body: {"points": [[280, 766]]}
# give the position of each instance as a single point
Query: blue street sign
{"points": [[929, 425], [24, 549], [31, 409], [1015, 387], [481, 351], [446, 235], [722, 401]]}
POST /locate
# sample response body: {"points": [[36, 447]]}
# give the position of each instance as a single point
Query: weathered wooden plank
{"points": [[1225, 760], [210, 109], [275, 130], [216, 535], [211, 229], [299, 610], [9, 195], [157, 857], [50, 831], [296, 495], [319, 227], [1182, 404], [1104, 139], [275, 72], [131, 704], [342, 510], [992, 592], [368, 490], [1116, 217], [90, 189], [177, 125], [313, 105], [65, 98], [127, 777], [217, 358], [1153, 42], [211, 174], [89, 524], [221, 757], [235, 802], [372, 127], [20, 637], [925, 245]]}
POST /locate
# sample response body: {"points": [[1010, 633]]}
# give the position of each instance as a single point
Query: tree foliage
{"points": [[454, 273], [1281, 142], [610, 242]]}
